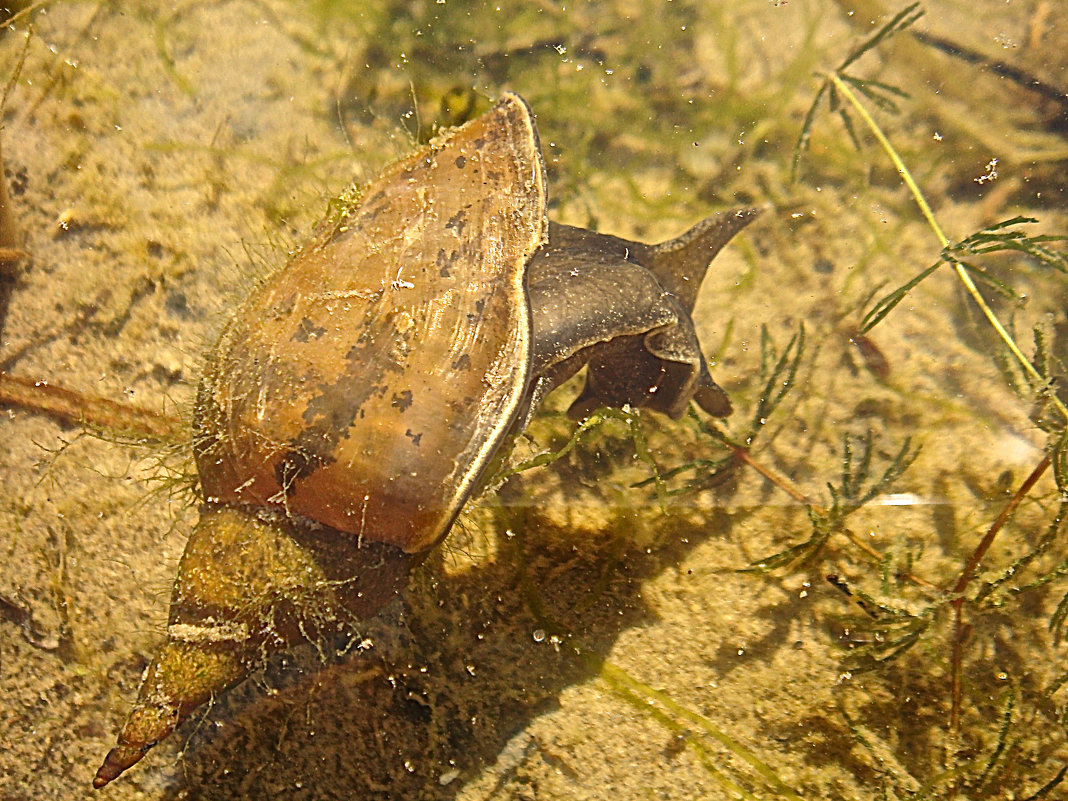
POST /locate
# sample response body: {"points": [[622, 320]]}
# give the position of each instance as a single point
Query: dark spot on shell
{"points": [[480, 143], [295, 464], [330, 414], [414, 437], [177, 304], [308, 330], [444, 262], [458, 221], [480, 305], [284, 307], [403, 400], [463, 363], [460, 162]]}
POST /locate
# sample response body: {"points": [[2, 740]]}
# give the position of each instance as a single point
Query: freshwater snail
{"points": [[355, 401]]}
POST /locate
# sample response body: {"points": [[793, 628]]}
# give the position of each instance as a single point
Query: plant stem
{"points": [[996, 526], [960, 630], [928, 215], [73, 407], [743, 454], [8, 236], [18, 16], [888, 148]]}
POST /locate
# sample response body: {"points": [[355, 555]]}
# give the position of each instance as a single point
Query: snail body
{"points": [[356, 399]]}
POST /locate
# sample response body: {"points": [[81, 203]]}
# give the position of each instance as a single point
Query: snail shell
{"points": [[355, 400], [367, 385]]}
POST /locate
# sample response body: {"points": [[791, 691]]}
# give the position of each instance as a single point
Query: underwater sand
{"points": [[161, 156]]}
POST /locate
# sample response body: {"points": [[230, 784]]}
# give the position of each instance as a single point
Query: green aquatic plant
{"points": [[894, 630], [857, 487], [778, 375], [883, 95]]}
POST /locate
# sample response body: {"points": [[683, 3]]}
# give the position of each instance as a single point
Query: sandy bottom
{"points": [[578, 638]]}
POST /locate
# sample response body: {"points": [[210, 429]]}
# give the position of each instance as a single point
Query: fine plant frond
{"points": [[709, 472], [1042, 358], [880, 93], [1002, 739], [1047, 788], [1058, 451], [983, 277], [836, 106], [1056, 621], [1019, 565], [657, 703], [801, 145], [997, 237], [1047, 414], [548, 457], [778, 372], [1056, 684], [880, 633], [890, 635], [856, 472], [890, 771], [641, 449], [899, 22], [777, 379], [886, 305], [847, 123], [1053, 687], [1000, 237], [796, 554], [631, 418], [857, 488], [1048, 410]]}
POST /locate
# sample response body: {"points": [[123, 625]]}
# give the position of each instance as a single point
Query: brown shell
{"points": [[366, 384]]}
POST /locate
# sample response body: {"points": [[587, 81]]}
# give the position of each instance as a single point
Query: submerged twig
{"points": [[9, 251], [18, 16], [960, 629], [73, 407], [1003, 69]]}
